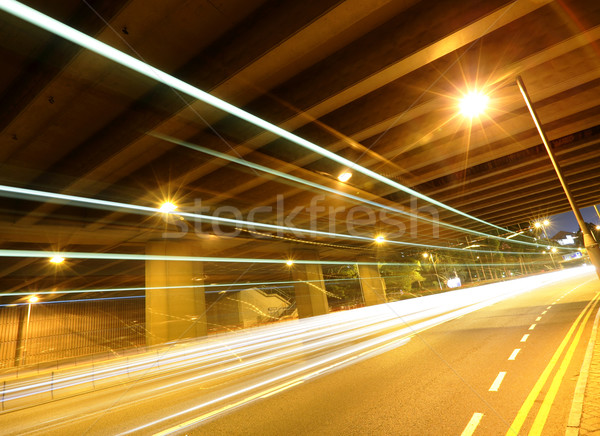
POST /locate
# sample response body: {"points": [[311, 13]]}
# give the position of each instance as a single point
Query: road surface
{"points": [[454, 371]]}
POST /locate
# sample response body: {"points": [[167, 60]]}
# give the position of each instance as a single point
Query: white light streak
{"points": [[332, 341], [325, 188], [45, 22], [114, 205]]}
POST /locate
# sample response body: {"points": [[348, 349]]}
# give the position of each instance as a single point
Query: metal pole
{"points": [[548, 240], [588, 240], [24, 353], [436, 273]]}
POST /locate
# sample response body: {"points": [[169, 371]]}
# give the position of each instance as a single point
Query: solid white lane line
{"points": [[514, 354], [539, 318], [472, 425], [524, 338], [532, 326], [496, 385]]}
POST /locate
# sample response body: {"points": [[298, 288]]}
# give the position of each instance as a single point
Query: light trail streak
{"points": [[231, 287], [206, 355], [281, 174], [58, 28], [331, 360], [247, 285], [129, 256], [119, 206], [64, 301], [313, 329], [328, 338]]}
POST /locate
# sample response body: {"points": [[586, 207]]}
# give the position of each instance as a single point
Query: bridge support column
{"points": [[372, 284], [311, 299], [178, 313]]}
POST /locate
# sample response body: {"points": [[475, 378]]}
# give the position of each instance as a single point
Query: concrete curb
{"points": [[574, 421]]}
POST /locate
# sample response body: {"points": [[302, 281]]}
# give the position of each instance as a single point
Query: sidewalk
{"points": [[585, 412]]}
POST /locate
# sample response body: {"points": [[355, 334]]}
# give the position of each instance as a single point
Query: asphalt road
{"points": [[434, 383]]}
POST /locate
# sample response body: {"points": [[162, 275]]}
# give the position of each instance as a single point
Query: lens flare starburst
{"points": [[473, 104]]}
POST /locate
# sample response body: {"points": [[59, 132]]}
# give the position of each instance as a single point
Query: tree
{"points": [[400, 278], [341, 283]]}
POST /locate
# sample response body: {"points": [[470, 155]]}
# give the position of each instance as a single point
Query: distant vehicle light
{"points": [[454, 282]]}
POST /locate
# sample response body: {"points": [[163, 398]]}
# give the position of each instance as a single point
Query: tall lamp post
{"points": [[588, 240]]}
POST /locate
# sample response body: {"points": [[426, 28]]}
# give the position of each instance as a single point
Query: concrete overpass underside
{"points": [[377, 83]]}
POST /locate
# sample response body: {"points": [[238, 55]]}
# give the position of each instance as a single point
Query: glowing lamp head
{"points": [[345, 176], [598, 227], [473, 104], [33, 299], [57, 260], [289, 262], [380, 239], [537, 224], [167, 207], [553, 249], [546, 222], [425, 255]]}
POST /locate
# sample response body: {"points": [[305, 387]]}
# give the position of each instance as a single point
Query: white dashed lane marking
{"points": [[496, 385], [514, 354], [472, 425]]}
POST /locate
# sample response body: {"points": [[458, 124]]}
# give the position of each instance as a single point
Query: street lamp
{"points": [[473, 104], [167, 207], [588, 240], [56, 260], [345, 176], [543, 224]]}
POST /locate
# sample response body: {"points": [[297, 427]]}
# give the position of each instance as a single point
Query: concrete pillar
{"points": [[173, 314], [309, 287], [371, 283]]}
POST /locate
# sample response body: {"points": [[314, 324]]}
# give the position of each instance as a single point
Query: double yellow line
{"points": [[542, 415]]}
